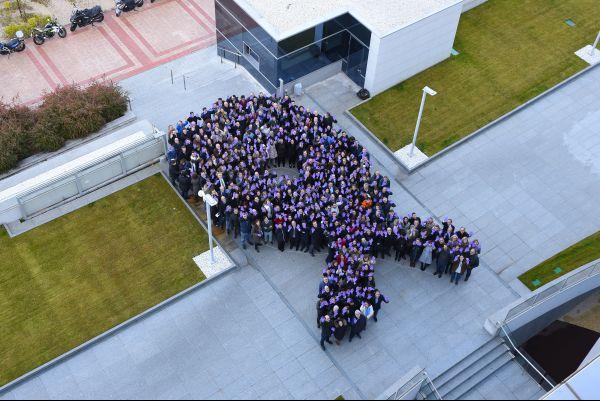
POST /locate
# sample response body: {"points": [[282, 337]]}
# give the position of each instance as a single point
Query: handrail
{"points": [[594, 270], [524, 357], [229, 51], [423, 379], [439, 397]]}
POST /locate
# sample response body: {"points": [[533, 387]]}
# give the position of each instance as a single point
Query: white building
{"points": [[377, 43]]}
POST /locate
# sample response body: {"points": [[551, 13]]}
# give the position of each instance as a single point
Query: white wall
{"points": [[400, 55], [469, 4]]}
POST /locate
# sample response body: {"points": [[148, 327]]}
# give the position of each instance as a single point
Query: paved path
{"points": [[233, 339], [528, 187], [115, 49], [155, 98]]}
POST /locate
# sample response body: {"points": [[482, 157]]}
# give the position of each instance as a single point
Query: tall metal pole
{"points": [[595, 45], [210, 234], [412, 148]]}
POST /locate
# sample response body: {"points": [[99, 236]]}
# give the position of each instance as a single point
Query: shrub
{"points": [[110, 98], [33, 21], [70, 112], [9, 147], [18, 122]]}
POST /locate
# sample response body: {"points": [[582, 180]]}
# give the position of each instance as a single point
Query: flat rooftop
{"points": [[285, 18]]}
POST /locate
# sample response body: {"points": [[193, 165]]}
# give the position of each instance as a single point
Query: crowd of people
{"points": [[335, 202]]}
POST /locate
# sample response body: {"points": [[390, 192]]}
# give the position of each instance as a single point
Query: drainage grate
{"points": [[454, 52], [570, 22]]}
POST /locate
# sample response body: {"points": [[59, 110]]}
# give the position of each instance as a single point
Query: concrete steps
{"points": [[463, 377]]}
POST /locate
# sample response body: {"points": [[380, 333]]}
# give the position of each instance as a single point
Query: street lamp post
{"points": [[593, 49], [209, 201], [426, 91]]}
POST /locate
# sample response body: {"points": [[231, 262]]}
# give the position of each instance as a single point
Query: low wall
{"points": [[469, 4], [555, 299]]}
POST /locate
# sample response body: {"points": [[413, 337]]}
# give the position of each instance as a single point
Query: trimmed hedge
{"points": [[70, 112]]}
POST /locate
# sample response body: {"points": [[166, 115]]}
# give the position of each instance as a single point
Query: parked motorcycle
{"points": [[127, 5], [52, 28], [15, 45], [81, 18]]}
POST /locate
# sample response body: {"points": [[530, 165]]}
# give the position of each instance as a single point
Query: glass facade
{"points": [[241, 39]]}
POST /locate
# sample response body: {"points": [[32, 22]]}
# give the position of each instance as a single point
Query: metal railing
{"points": [[419, 387], [221, 51], [552, 291], [525, 362], [65, 188]]}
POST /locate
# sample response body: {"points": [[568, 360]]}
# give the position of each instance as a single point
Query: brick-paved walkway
{"points": [[115, 49]]}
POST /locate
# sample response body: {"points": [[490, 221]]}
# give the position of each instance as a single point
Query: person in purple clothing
{"points": [[336, 202]]}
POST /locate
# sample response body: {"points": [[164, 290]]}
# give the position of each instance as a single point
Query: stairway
{"points": [[474, 369]]}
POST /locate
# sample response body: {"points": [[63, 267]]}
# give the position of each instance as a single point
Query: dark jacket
{"points": [[245, 226], [378, 302], [359, 325], [443, 258]]}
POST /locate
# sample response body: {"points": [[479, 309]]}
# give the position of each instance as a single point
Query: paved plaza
{"points": [[114, 49], [526, 187]]}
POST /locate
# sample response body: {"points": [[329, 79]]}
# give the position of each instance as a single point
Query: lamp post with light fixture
{"points": [[426, 91], [595, 45], [209, 201]]}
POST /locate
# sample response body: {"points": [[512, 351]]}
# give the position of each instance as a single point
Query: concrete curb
{"points": [[115, 330], [472, 135]]}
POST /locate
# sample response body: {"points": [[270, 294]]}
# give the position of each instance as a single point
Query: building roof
{"points": [[285, 18]]}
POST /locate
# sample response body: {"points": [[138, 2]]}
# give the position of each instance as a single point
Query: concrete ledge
{"points": [[493, 323], [8, 387], [210, 269], [589, 54], [404, 381], [472, 135], [112, 126]]}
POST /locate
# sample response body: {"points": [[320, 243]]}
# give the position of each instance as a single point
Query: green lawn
{"points": [[572, 258], [76, 277], [510, 51]]}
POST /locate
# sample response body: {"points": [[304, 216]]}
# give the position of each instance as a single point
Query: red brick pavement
{"points": [[116, 49]]}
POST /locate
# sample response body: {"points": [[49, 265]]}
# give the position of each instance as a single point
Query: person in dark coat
{"points": [[415, 252], [185, 184], [443, 259], [326, 331], [458, 269], [378, 300], [294, 233], [174, 171], [245, 229], [235, 222], [340, 328], [256, 234], [280, 237], [473, 263], [304, 238], [358, 325], [316, 237]]}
